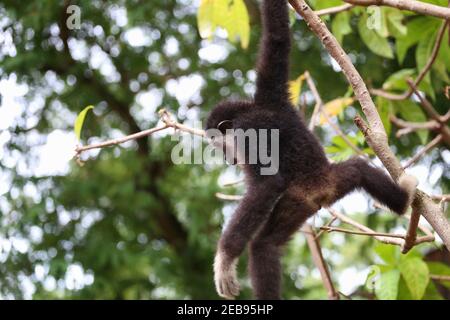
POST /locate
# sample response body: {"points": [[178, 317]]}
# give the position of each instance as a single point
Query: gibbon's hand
{"points": [[225, 277]]}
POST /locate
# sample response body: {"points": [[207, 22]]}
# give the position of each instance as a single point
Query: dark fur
{"points": [[274, 207]]}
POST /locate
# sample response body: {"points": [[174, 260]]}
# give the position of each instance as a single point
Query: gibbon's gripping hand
{"points": [[225, 277]]}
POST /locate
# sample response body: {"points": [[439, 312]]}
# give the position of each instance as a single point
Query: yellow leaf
{"points": [[240, 23], [231, 15], [80, 120], [205, 19], [335, 107], [295, 87]]}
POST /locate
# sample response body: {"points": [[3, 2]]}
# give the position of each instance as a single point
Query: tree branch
{"points": [[432, 113], [363, 233], [332, 10], [328, 224], [411, 234], [408, 127], [387, 238], [168, 123], [230, 197], [442, 197], [439, 277], [318, 106], [316, 254], [433, 143], [427, 9]]}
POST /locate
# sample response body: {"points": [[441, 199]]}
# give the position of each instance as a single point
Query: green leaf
{"points": [[205, 19], [386, 287], [322, 4], [341, 26], [388, 253], [80, 120], [413, 253], [397, 80], [385, 109], [373, 40], [403, 291], [416, 275], [410, 111], [381, 27], [432, 293], [395, 23], [439, 268], [441, 3], [340, 150], [419, 28]]}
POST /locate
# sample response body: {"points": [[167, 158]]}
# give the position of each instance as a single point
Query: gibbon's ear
{"points": [[225, 125]]}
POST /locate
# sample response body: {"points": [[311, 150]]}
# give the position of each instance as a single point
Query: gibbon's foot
{"points": [[409, 184], [225, 277]]}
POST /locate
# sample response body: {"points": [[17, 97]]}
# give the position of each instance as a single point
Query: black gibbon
{"points": [[275, 206]]}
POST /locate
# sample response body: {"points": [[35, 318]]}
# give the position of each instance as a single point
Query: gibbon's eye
{"points": [[224, 125]]}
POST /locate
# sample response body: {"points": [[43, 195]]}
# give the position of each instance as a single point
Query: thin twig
{"points": [[431, 111], [361, 227], [408, 127], [333, 10], [410, 5], [328, 224], [446, 117], [316, 254], [319, 103], [233, 183], [113, 142], [442, 197], [344, 137], [422, 152], [439, 277], [411, 234], [230, 197], [168, 123], [382, 237], [426, 105], [362, 233], [166, 117]]}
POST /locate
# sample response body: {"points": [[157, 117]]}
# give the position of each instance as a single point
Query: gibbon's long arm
{"points": [[250, 215], [273, 62]]}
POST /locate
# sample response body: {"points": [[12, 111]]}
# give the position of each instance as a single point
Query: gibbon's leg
{"points": [[265, 249], [357, 173], [252, 211]]}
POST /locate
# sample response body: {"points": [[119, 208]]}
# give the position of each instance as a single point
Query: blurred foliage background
{"points": [[130, 224]]}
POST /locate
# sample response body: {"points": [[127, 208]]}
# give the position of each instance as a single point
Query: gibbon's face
{"points": [[220, 125], [222, 138]]}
